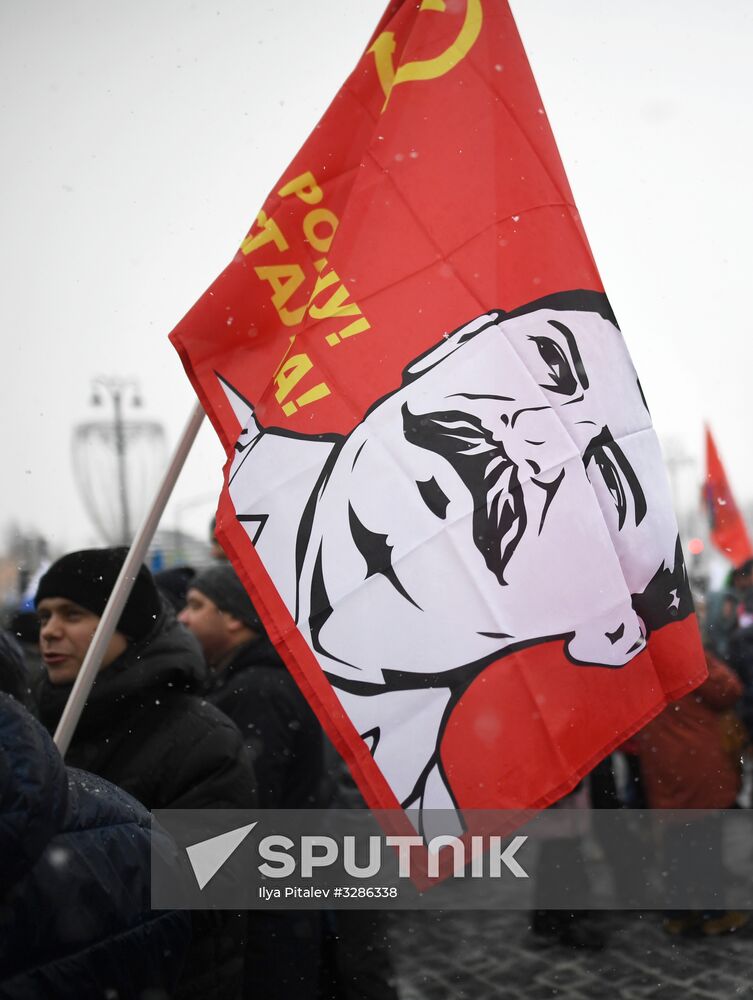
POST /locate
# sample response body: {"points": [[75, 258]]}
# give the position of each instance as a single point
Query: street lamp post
{"points": [[117, 460], [116, 388]]}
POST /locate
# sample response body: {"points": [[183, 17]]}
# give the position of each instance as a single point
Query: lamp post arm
{"points": [[120, 452]]}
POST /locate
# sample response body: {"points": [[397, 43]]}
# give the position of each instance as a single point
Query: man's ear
{"points": [[232, 624]]}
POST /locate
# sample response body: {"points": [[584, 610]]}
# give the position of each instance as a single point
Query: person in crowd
{"points": [[15, 678], [720, 610], [23, 626], [357, 963], [720, 620], [75, 917], [173, 584], [740, 579], [740, 658], [291, 755], [690, 759], [561, 862], [251, 684], [143, 727]]}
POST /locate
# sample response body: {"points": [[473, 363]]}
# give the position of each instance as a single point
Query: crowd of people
{"points": [[193, 708], [691, 756]]}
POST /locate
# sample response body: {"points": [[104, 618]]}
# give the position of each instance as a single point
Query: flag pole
{"points": [[123, 585]]}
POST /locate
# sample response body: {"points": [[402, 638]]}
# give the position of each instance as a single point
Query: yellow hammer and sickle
{"points": [[426, 69]]}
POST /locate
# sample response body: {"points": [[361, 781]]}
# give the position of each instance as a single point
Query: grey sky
{"points": [[140, 140]]}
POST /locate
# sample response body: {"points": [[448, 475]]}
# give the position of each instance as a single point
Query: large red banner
{"points": [[443, 489]]}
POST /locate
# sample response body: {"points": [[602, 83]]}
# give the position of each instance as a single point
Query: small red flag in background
{"points": [[443, 489], [726, 525]]}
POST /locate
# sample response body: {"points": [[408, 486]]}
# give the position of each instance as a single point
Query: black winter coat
{"points": [[143, 730], [75, 921], [281, 732]]}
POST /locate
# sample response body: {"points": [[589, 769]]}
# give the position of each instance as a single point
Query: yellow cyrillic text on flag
{"points": [[329, 300]]}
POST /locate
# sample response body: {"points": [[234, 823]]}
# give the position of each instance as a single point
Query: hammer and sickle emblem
{"points": [[426, 69]]}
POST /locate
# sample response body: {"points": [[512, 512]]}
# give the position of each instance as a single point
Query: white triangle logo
{"points": [[208, 856]]}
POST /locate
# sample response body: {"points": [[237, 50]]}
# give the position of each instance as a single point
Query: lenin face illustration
{"points": [[510, 491], [502, 494]]}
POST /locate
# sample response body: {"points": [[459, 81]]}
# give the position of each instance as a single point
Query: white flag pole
{"points": [[123, 585]]}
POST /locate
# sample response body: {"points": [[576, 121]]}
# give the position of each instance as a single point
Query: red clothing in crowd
{"points": [[686, 758]]}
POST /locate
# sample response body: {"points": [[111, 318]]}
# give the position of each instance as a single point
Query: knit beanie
{"points": [[87, 578], [220, 584], [174, 584]]}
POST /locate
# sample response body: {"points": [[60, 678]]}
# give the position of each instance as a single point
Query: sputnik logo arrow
{"points": [[208, 856]]}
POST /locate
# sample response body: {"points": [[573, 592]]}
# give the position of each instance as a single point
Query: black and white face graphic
{"points": [[511, 490]]}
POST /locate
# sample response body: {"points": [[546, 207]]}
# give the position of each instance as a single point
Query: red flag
{"points": [[728, 531], [443, 490]]}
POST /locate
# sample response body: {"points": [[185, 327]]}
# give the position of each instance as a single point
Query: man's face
{"points": [[66, 631], [210, 625]]}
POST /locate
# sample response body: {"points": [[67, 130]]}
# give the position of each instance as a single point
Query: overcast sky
{"points": [[140, 140]]}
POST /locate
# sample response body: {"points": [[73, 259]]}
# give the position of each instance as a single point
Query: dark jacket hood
{"points": [[15, 678], [75, 917], [168, 660], [33, 791]]}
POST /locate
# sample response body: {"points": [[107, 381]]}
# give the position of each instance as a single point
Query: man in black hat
{"points": [[250, 683], [142, 727]]}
